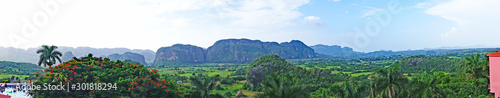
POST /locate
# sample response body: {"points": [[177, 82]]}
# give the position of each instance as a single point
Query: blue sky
{"points": [[152, 24]]}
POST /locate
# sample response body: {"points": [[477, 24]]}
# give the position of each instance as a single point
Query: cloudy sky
{"points": [[365, 25]]}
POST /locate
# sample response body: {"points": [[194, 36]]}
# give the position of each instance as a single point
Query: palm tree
{"points": [[425, 86], [276, 87], [48, 55], [348, 90], [476, 66], [389, 83], [203, 85]]}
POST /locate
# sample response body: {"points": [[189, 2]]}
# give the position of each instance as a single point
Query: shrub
{"points": [[131, 80]]}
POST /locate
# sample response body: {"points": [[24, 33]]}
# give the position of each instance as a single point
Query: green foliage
{"points": [[203, 85], [131, 62], [48, 55], [264, 66], [131, 80], [320, 77], [426, 86], [476, 66], [281, 87], [422, 63], [5, 81], [269, 60], [349, 90], [389, 83], [18, 68]]}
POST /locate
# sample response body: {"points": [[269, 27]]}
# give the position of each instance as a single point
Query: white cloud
{"points": [[335, 0], [476, 21], [311, 18], [423, 5], [447, 34], [156, 22], [314, 21], [370, 11]]}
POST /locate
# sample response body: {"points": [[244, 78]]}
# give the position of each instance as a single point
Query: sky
{"points": [[364, 25]]}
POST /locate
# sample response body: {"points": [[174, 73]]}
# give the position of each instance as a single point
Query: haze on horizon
{"points": [[136, 24]]}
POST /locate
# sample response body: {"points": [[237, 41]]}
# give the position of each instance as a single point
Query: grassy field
{"points": [[327, 67], [223, 72], [362, 73], [10, 75]]}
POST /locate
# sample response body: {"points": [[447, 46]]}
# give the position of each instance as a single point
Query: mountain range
{"points": [[222, 51], [29, 55], [231, 51]]}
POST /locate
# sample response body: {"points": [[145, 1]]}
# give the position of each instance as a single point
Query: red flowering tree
{"points": [[121, 79]]}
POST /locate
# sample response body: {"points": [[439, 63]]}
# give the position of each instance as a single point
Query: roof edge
{"points": [[493, 54]]}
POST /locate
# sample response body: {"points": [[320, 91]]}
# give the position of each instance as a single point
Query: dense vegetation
{"points": [[421, 63], [129, 80], [445, 75], [18, 68], [438, 73]]}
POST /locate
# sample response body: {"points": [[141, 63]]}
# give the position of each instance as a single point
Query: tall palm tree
{"points": [[476, 66], [425, 86], [348, 90], [203, 85], [48, 55], [389, 83], [280, 87]]}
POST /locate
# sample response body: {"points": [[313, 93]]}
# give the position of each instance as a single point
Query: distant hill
{"points": [[264, 65], [232, 51], [245, 50], [82, 51], [179, 54], [427, 52], [336, 51], [18, 55], [128, 56], [67, 56], [30, 56], [19, 68]]}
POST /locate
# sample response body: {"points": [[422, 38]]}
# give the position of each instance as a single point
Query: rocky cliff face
{"points": [[67, 56], [179, 53], [235, 50], [296, 49], [335, 50], [245, 50], [128, 55], [231, 51]]}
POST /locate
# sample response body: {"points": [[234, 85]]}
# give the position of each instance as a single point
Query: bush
{"points": [[130, 80]]}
